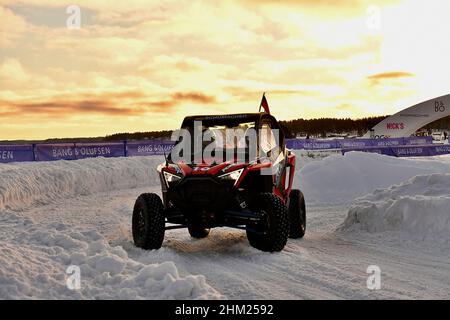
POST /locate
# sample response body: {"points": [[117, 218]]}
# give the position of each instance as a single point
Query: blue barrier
{"points": [[440, 150], [413, 151], [73, 151], [399, 147], [59, 151], [311, 144], [405, 150], [106, 149], [388, 142], [354, 143], [149, 147], [418, 140], [16, 153], [318, 144]]}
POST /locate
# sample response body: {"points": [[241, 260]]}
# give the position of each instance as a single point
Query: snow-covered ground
{"points": [[363, 209]]}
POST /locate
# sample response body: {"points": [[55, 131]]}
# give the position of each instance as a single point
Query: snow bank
{"points": [[24, 184], [340, 179], [420, 206], [35, 255], [324, 177], [35, 260]]}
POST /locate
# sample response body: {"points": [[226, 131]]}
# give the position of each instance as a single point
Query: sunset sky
{"points": [[144, 65]]}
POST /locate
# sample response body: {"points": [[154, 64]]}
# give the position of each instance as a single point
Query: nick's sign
{"points": [[395, 126]]}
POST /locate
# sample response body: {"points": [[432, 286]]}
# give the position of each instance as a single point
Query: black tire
{"points": [[148, 222], [297, 214], [276, 225], [198, 232]]}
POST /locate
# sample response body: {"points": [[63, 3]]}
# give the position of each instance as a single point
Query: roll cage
{"points": [[261, 120]]}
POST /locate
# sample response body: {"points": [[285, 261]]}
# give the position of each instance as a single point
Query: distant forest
{"points": [[320, 127], [312, 127], [165, 134]]}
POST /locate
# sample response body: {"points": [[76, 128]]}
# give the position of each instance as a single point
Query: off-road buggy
{"points": [[203, 190]]}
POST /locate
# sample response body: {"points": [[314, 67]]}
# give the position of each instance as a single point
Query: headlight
{"points": [[233, 176], [170, 178]]}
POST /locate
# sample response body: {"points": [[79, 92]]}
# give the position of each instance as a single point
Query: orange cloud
{"points": [[178, 98], [390, 75], [64, 108], [194, 97], [108, 104], [376, 79]]}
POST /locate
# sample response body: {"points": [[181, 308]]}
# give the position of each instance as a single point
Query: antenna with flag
{"points": [[264, 104]]}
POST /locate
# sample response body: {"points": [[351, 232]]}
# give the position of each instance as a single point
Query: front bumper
{"points": [[201, 194]]}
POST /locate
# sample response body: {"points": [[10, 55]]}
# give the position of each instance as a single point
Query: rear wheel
{"points": [[297, 214], [198, 232], [148, 221], [272, 234]]}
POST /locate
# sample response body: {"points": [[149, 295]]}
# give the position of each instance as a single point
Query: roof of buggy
{"points": [[225, 119]]}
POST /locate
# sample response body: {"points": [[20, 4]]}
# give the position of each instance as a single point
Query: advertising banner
{"points": [[411, 151], [388, 142], [354, 143], [398, 147], [73, 151], [406, 151], [320, 144], [405, 122], [16, 153], [311, 144], [149, 147], [295, 144], [418, 140], [99, 149], [317, 144], [58, 151], [440, 150]]}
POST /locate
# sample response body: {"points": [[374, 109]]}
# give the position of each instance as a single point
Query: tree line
{"points": [[164, 134], [320, 127], [312, 127]]}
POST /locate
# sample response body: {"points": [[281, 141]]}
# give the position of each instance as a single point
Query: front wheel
{"points": [[148, 221], [297, 214], [272, 232]]}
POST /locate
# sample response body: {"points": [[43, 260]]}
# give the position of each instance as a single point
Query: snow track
{"points": [[80, 215]]}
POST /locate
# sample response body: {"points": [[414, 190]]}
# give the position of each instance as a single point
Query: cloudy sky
{"points": [[144, 65]]}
